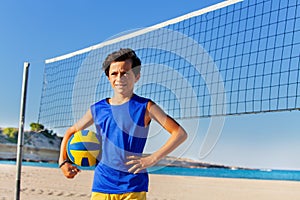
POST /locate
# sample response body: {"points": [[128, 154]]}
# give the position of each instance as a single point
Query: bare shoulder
{"points": [[152, 112], [85, 121], [155, 111]]}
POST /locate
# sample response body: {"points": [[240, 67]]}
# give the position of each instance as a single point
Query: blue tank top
{"points": [[123, 133]]}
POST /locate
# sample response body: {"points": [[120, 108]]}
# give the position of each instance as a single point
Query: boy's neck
{"points": [[120, 99]]}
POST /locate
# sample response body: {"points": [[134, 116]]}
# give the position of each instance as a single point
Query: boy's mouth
{"points": [[120, 85]]}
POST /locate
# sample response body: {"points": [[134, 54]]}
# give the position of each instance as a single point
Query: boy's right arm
{"points": [[68, 169]]}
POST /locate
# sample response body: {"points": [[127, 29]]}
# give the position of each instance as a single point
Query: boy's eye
{"points": [[114, 73], [121, 73]]}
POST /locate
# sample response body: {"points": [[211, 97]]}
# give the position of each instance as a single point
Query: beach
{"points": [[49, 184]]}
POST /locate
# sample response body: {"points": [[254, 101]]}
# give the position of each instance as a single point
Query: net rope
{"points": [[241, 58]]}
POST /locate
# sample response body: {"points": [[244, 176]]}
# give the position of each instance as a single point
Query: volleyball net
{"points": [[227, 59]]}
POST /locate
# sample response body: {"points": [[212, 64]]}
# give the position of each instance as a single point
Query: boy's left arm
{"points": [[178, 136]]}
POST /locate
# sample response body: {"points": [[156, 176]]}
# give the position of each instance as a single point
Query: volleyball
{"points": [[84, 148]]}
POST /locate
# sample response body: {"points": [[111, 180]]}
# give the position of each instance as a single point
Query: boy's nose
{"points": [[121, 75]]}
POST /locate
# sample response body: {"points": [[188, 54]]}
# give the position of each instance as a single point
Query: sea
{"points": [[263, 174]]}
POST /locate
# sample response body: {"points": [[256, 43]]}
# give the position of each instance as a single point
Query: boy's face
{"points": [[121, 77]]}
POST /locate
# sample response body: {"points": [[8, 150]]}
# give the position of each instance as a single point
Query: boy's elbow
{"points": [[183, 135]]}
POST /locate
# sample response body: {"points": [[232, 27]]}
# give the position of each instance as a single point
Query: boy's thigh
{"points": [[125, 196]]}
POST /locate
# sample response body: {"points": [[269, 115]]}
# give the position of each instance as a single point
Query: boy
{"points": [[123, 123]]}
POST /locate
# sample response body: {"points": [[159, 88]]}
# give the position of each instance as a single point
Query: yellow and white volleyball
{"points": [[84, 148]]}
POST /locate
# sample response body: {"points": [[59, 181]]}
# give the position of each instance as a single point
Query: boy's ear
{"points": [[137, 77]]}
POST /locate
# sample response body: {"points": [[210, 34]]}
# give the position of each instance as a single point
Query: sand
{"points": [[49, 184]]}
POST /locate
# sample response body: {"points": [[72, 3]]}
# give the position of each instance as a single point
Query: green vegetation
{"points": [[11, 134], [36, 127]]}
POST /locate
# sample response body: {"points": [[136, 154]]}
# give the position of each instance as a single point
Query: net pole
{"points": [[21, 130]]}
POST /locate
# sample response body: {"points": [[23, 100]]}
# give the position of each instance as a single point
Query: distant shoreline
{"points": [[33, 154], [42, 148]]}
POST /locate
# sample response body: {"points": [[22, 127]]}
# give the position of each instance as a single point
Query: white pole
{"points": [[21, 129]]}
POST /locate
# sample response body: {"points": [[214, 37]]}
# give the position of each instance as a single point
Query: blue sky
{"points": [[34, 31]]}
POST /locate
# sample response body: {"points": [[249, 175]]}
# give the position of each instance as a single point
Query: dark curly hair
{"points": [[122, 55]]}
